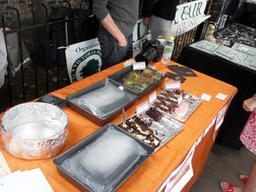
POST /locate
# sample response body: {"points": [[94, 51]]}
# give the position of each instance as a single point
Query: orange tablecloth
{"points": [[151, 175]]}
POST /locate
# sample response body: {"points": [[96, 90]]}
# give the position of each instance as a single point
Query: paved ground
{"points": [[223, 164]]}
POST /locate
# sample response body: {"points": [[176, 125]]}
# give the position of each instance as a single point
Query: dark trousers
{"points": [[112, 53]]}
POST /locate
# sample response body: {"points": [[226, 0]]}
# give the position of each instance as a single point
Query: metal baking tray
{"points": [[164, 129], [123, 155], [118, 76], [106, 104], [193, 103]]}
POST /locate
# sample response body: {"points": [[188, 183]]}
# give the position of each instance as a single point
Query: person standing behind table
{"points": [[248, 138], [159, 15], [117, 18]]}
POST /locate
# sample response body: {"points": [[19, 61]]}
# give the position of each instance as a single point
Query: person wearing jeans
{"points": [[117, 18], [159, 16]]}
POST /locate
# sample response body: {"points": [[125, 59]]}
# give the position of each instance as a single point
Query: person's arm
{"points": [[112, 28], [147, 9], [250, 104], [146, 20], [102, 13]]}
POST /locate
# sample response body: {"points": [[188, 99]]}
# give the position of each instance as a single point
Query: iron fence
{"points": [[40, 76]]}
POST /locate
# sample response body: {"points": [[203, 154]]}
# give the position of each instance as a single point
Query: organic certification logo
{"points": [[86, 65]]}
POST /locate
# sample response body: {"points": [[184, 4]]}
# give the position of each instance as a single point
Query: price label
{"points": [[152, 97], [142, 107], [206, 97], [172, 85], [221, 96], [139, 66]]}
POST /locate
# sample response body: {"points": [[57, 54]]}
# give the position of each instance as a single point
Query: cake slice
{"points": [[154, 114]]}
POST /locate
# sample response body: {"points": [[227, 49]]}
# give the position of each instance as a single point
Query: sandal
{"points": [[243, 179], [227, 187]]}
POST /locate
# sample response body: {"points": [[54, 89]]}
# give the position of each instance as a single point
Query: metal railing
{"points": [[38, 77]]}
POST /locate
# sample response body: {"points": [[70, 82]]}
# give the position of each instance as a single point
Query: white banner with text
{"points": [[188, 16]]}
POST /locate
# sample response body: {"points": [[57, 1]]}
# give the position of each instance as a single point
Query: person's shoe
{"points": [[243, 179], [228, 187]]}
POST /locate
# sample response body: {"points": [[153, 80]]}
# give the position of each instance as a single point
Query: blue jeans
{"points": [[112, 53], [160, 27]]}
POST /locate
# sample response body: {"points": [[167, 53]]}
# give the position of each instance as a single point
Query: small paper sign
{"points": [[152, 97], [206, 97], [172, 85], [142, 107], [139, 65], [221, 96]]}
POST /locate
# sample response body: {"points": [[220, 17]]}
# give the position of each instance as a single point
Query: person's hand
{"points": [[146, 20], [112, 28], [250, 104], [122, 42]]}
